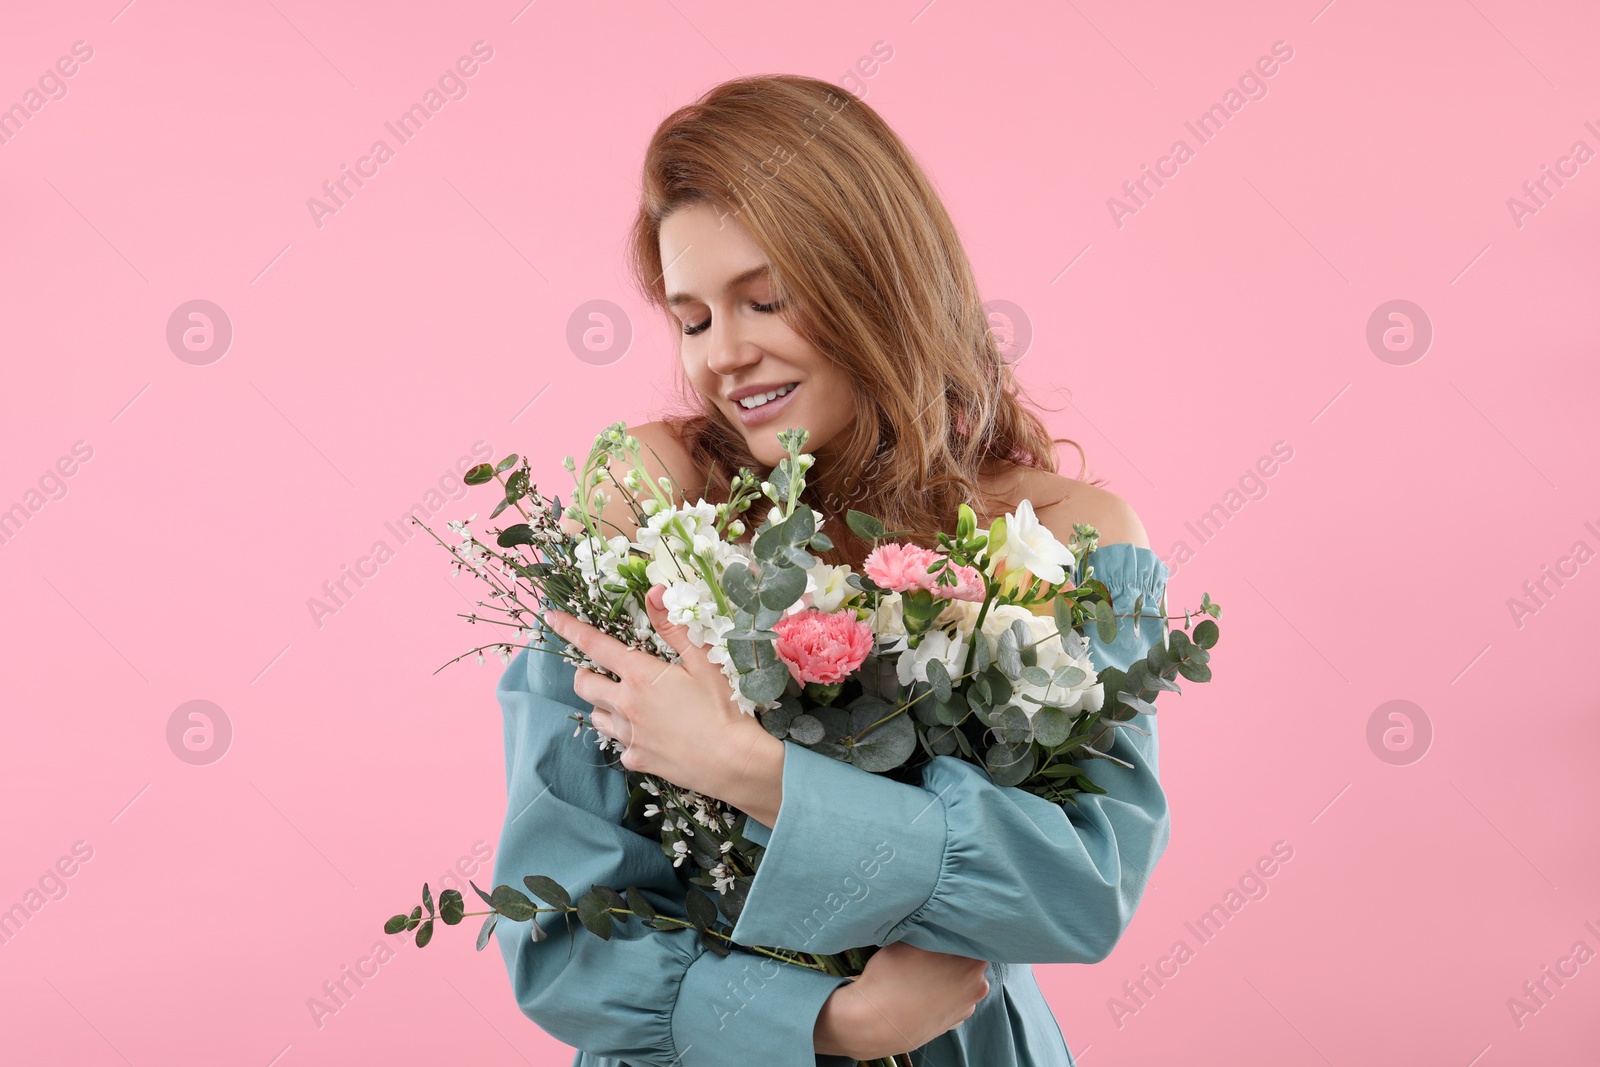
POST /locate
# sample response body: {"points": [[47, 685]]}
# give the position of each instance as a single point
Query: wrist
{"points": [[757, 788], [837, 1026]]}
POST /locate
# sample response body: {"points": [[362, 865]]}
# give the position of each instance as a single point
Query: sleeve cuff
{"points": [[851, 856], [750, 1009]]}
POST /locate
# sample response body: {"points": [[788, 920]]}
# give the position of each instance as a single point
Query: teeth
{"points": [[762, 398]]}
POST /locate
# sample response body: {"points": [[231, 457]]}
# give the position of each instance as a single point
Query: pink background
{"points": [[1229, 312]]}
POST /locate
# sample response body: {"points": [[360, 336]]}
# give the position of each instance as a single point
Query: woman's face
{"points": [[735, 342]]}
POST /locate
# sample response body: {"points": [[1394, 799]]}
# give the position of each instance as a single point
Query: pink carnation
{"points": [[900, 567], [969, 585], [822, 647], [904, 567]]}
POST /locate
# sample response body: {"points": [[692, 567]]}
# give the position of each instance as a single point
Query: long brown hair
{"points": [[874, 276]]}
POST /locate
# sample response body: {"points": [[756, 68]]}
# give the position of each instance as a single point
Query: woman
{"points": [[816, 280]]}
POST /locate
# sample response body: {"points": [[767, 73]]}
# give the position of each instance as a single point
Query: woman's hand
{"points": [[677, 721], [904, 998]]}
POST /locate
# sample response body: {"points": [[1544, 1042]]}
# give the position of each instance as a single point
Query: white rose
{"points": [[935, 644]]}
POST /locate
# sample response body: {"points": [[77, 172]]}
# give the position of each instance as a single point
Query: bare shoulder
{"points": [[661, 453], [664, 453], [1060, 501]]}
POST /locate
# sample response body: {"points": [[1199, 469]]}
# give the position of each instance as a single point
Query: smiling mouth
{"points": [[752, 403]]}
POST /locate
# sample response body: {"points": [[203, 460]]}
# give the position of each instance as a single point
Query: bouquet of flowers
{"points": [[975, 649]]}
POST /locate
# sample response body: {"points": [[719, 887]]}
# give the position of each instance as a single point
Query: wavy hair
{"points": [[874, 276]]}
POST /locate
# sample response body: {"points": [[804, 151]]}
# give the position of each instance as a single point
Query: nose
{"points": [[728, 349]]}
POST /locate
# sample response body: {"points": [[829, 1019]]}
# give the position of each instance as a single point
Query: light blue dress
{"points": [[956, 865]]}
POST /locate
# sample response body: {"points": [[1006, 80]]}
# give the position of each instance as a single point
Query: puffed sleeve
{"points": [[959, 864], [652, 998]]}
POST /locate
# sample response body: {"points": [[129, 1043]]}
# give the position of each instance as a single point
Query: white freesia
{"points": [[826, 585], [1030, 545]]}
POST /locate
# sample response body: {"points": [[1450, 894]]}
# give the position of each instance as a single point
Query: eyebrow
{"points": [[733, 283]]}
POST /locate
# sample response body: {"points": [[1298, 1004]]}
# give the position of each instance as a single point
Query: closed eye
{"points": [[691, 330]]}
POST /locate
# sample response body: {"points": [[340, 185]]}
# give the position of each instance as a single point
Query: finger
{"points": [[675, 634], [597, 690], [598, 645]]}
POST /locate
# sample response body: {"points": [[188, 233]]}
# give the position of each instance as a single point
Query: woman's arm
{"points": [[959, 864], [650, 997]]}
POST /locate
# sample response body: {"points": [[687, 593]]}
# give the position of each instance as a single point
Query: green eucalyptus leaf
{"points": [[714, 944], [765, 684], [864, 526], [636, 901], [395, 924], [1036, 676], [1007, 656], [1009, 764], [1012, 725], [613, 899], [1068, 676], [779, 718], [1205, 635], [885, 746], [939, 678], [481, 893], [451, 906], [520, 534], [702, 911], [980, 653], [488, 928], [796, 557], [593, 915], [1137, 704], [1051, 725], [425, 933], [507, 463], [547, 890], [806, 729], [781, 586], [427, 898], [742, 650], [950, 712], [479, 474], [1061, 610], [738, 582], [1105, 621], [512, 903]]}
